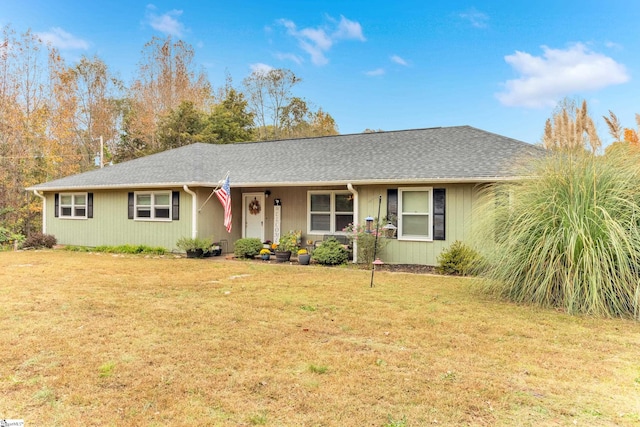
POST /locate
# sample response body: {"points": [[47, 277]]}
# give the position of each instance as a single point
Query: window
{"points": [[74, 205], [329, 211], [419, 211], [153, 205]]}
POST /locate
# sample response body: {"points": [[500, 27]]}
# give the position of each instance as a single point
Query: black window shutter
{"points": [[56, 204], [439, 213], [392, 206], [131, 207], [175, 205], [90, 205]]}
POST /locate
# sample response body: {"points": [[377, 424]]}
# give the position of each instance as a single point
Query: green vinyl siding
{"points": [[458, 220], [110, 225]]}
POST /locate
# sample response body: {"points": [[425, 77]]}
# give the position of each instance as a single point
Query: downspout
{"points": [[44, 211], [194, 212], [355, 219]]}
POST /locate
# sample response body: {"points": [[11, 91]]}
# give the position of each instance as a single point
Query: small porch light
{"points": [[368, 224], [267, 193], [390, 230]]}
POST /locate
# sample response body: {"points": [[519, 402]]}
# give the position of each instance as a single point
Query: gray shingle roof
{"points": [[454, 154]]}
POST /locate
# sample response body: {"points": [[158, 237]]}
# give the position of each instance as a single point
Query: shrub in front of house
{"points": [[458, 259], [247, 247], [568, 236], [367, 243], [39, 240], [330, 252]]}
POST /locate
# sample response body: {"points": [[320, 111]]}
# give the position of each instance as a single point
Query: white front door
{"points": [[253, 215]]}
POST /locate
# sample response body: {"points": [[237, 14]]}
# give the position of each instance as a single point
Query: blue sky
{"points": [[496, 65]]}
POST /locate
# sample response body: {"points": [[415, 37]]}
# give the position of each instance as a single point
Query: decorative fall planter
{"points": [[283, 256], [194, 253], [265, 254], [304, 259]]}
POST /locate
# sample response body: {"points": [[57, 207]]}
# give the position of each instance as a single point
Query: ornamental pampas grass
{"points": [[569, 236]]}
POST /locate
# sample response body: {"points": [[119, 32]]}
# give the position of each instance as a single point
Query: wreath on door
{"points": [[254, 207]]}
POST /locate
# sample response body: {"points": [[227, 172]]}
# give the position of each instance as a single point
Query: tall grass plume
{"points": [[567, 236]]}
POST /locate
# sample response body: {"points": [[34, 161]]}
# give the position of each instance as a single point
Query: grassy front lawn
{"points": [[91, 339]]}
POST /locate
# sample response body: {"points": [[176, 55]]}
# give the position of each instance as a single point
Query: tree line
{"points": [[55, 116]]}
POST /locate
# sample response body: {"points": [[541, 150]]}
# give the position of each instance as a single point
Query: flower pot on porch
{"points": [[265, 257], [195, 253], [283, 256], [304, 259]]}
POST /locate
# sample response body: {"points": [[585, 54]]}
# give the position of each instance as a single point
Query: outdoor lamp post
{"points": [[368, 224]]}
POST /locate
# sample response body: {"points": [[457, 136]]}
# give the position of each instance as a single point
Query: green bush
{"points": [[39, 240], [366, 243], [569, 235], [330, 252], [193, 244], [247, 247], [122, 249], [7, 237], [459, 259]]}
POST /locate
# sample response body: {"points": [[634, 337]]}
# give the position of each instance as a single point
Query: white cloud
{"points": [[260, 68], [166, 23], [476, 18], [316, 42], [60, 39], [399, 60], [376, 72], [289, 56], [558, 73], [349, 30]]}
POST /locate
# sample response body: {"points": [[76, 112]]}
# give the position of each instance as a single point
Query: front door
{"points": [[253, 215]]}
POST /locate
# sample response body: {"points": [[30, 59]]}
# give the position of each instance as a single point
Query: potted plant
{"points": [[288, 243], [303, 257], [265, 254], [214, 250], [194, 247]]}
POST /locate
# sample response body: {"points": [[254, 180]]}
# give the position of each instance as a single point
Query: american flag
{"points": [[224, 195]]}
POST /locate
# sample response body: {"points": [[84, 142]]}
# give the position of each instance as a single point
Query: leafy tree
{"points": [[268, 92], [98, 94], [298, 121], [229, 121], [182, 126], [166, 78]]}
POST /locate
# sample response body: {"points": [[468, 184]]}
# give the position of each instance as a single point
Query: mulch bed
{"points": [[407, 268]]}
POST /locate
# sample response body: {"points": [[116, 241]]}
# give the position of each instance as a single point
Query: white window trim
{"points": [[152, 206], [332, 211], [73, 206], [401, 235]]}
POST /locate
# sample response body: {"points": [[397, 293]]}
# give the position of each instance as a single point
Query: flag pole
{"points": [[375, 245], [214, 190]]}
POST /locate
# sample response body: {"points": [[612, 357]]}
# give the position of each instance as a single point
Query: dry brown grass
{"points": [[124, 340]]}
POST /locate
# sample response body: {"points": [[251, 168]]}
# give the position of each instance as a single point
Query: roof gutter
{"points": [[408, 181], [355, 219], [44, 211], [194, 211]]}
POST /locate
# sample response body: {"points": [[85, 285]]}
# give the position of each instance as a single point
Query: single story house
{"points": [[427, 181]]}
